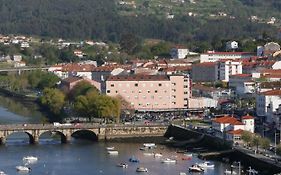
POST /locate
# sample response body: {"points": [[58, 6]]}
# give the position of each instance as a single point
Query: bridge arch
{"points": [[85, 134], [10, 134], [63, 137]]}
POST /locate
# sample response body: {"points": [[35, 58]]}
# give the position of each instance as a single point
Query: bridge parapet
{"points": [[66, 130]]}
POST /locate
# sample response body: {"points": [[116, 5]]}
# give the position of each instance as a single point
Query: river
{"points": [[82, 157]]}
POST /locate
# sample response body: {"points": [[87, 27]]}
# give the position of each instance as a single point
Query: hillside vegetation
{"points": [[108, 20]]}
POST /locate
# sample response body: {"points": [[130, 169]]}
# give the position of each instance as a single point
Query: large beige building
{"points": [[151, 92]]}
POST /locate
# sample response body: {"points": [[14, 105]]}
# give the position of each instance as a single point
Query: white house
{"points": [[242, 84], [179, 52], [227, 68], [268, 102], [230, 128]]}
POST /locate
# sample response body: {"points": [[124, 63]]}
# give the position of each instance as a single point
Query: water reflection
{"points": [[14, 111]]}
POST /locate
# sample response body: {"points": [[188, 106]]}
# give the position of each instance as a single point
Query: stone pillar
{"points": [[34, 139], [2, 140], [66, 138]]}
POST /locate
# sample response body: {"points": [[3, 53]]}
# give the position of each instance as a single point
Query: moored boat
{"points": [[2, 173], [134, 159], [148, 154], [141, 169], [227, 172], [23, 168], [158, 154], [110, 148], [112, 152], [206, 165], [182, 173], [123, 165], [149, 145], [168, 160], [30, 158], [195, 168]]}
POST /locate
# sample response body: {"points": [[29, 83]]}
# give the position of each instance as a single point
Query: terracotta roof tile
{"points": [[247, 117], [272, 93], [137, 77], [228, 119], [236, 132]]}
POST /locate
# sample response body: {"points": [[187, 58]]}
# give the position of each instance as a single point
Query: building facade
{"points": [[227, 68], [216, 56], [151, 92]]}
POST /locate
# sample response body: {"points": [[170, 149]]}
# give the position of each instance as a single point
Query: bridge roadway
{"points": [[25, 68], [66, 131]]}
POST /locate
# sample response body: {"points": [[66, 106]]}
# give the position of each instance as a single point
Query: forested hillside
{"points": [[102, 19]]}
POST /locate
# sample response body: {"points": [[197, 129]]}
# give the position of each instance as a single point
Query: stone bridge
{"points": [[66, 131]]}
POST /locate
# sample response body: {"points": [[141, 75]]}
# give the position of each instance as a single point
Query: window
{"points": [[136, 84], [185, 92], [152, 96], [174, 96], [174, 90], [112, 85], [148, 91], [144, 97], [159, 84], [155, 91], [185, 86], [116, 92], [173, 84], [108, 91], [174, 103], [139, 91]]}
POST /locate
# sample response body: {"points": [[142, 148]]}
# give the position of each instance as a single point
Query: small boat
{"points": [[182, 173], [23, 168], [188, 154], [206, 165], [141, 169], [143, 148], [110, 148], [195, 168], [168, 160], [133, 159], [112, 152], [158, 154], [226, 172], [149, 145], [2, 173], [186, 158], [123, 165], [30, 158], [148, 154]]}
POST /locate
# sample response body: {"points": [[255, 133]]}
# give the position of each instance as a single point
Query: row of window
{"points": [[137, 85]]}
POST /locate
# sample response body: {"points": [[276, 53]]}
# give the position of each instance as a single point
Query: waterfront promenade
{"points": [[66, 131]]}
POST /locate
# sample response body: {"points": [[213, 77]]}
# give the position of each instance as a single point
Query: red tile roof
{"points": [[242, 75], [78, 67], [138, 77], [228, 119], [236, 132], [247, 117], [231, 53], [206, 64], [272, 93]]}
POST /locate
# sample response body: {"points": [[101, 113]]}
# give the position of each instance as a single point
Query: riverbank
{"points": [[217, 149]]}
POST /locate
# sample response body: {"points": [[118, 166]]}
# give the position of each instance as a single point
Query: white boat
{"points": [[112, 152], [206, 165], [182, 173], [30, 158], [23, 168], [2, 173], [148, 154], [149, 145], [143, 148], [188, 154], [195, 168], [123, 165], [158, 154], [141, 169], [168, 160], [110, 148], [226, 172]]}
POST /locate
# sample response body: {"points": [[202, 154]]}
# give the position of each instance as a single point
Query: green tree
{"points": [[256, 141], [247, 136], [53, 99], [129, 43], [81, 88], [265, 143], [48, 80]]}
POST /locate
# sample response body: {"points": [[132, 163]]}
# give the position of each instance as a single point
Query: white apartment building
{"points": [[213, 56], [227, 68], [179, 53]]}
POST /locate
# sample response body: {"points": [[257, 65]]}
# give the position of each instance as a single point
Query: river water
{"points": [[82, 157]]}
